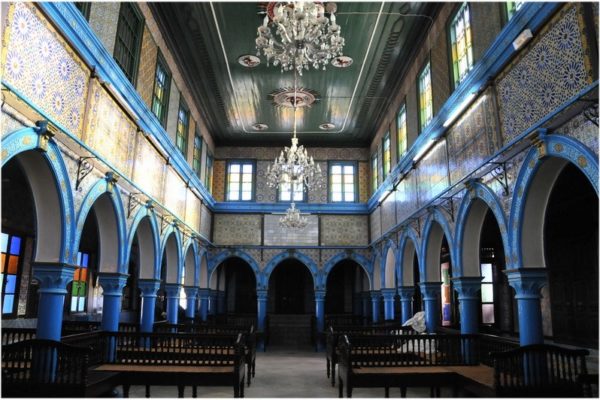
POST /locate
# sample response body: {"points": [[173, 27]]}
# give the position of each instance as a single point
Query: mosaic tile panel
{"points": [[556, 67], [582, 129], [432, 173], [175, 192], [268, 254], [275, 235], [264, 194], [192, 211], [147, 67], [269, 153], [103, 17], [375, 224], [149, 169], [109, 131], [9, 124], [205, 222], [313, 254], [363, 182], [237, 229], [388, 213], [320, 196], [327, 254], [473, 138], [59, 86], [406, 197], [218, 183], [344, 230]]}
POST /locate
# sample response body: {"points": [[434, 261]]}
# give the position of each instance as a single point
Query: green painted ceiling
{"points": [[208, 39]]}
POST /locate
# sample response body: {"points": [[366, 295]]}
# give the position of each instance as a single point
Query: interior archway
{"points": [[291, 288], [390, 269], [343, 288], [239, 286]]}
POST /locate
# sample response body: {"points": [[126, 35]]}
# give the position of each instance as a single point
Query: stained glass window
{"points": [[401, 131], [240, 176], [462, 49], [197, 162], [387, 154], [487, 293], [342, 178], [129, 39], [160, 96], [80, 283], [374, 172], [425, 96], [11, 262], [183, 123]]}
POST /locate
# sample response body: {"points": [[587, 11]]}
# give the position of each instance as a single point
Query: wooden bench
{"points": [[404, 360], [46, 368], [178, 359], [334, 333]]}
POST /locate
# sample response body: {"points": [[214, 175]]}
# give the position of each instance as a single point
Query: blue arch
{"points": [[26, 139], [215, 261], [345, 255], [389, 245], [435, 216], [203, 253], [486, 194], [554, 145], [407, 234], [142, 213], [298, 255], [376, 264], [171, 229], [99, 188], [192, 243]]}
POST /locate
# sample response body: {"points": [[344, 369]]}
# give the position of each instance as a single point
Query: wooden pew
{"points": [[178, 359], [46, 368]]}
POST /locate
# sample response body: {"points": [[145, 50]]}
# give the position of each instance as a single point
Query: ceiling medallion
{"points": [[248, 60], [288, 97], [297, 35], [260, 127], [327, 126], [342, 61]]}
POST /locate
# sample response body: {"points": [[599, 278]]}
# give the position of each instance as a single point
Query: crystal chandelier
{"points": [[293, 219], [303, 35]]}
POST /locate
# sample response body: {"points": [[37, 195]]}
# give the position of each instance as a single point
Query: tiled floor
{"points": [[283, 373]]}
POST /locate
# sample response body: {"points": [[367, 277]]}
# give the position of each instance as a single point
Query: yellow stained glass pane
{"points": [[13, 263]]}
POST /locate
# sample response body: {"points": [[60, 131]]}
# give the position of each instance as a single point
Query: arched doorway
{"points": [[571, 254], [344, 284], [239, 286], [291, 289]]}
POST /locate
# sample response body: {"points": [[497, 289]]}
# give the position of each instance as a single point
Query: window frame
{"points": [[197, 170], [304, 195], [84, 8], [18, 275], [330, 165], [241, 162], [386, 138], [375, 170], [86, 281], [183, 106], [138, 42], [450, 33], [400, 154], [427, 63], [161, 61]]}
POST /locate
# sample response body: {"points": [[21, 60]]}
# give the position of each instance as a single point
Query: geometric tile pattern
{"points": [[388, 213], [147, 68], [276, 235], [406, 197], [344, 230], [583, 130], [237, 229], [175, 192], [218, 181], [432, 173], [375, 223], [363, 182]]}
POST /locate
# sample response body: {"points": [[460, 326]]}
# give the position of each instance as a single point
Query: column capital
{"points": [[172, 290], [262, 294], [375, 294], [430, 290], [112, 283], [203, 293], [148, 287], [388, 294], [191, 291], [467, 287], [527, 282], [53, 277], [320, 295], [406, 292]]}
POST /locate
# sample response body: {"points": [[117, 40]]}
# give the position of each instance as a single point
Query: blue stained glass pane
{"points": [[15, 245], [7, 307], [4, 242], [73, 304], [79, 258], [81, 306], [84, 260], [11, 283]]}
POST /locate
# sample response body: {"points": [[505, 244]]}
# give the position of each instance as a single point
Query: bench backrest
{"points": [[334, 333], [539, 370], [13, 335]]}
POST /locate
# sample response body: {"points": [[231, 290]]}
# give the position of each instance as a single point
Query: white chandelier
{"points": [[293, 219], [303, 35]]}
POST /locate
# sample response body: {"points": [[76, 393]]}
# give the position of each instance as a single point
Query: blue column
{"points": [[53, 278], [261, 307], [406, 298], [191, 292], [112, 291], [212, 306], [366, 304], [431, 297], [148, 289], [203, 295], [528, 283], [468, 298], [221, 302], [388, 303], [375, 300], [172, 291], [320, 313]]}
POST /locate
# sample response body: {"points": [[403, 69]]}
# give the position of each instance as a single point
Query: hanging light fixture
{"points": [[293, 219], [303, 36]]}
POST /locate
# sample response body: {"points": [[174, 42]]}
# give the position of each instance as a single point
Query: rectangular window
{"points": [[512, 7], [183, 123], [160, 96], [387, 155], [401, 131], [487, 293], [79, 285], [291, 191], [342, 178], [9, 274], [209, 172], [84, 8], [425, 96], [197, 162], [240, 179], [461, 46], [374, 171], [129, 39]]}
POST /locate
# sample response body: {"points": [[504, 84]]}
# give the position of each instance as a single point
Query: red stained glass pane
{"points": [[2, 265], [83, 275], [76, 274], [13, 263]]}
